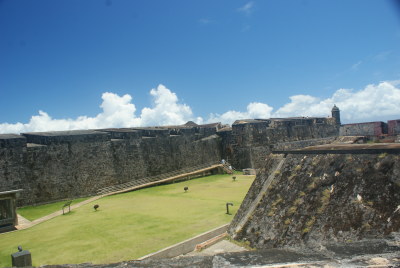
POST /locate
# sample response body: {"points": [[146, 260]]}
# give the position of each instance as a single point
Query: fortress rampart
{"points": [[58, 165], [371, 129], [252, 140], [65, 164]]}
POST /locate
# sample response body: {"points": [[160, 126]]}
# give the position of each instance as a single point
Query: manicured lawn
{"points": [[35, 212], [130, 225]]}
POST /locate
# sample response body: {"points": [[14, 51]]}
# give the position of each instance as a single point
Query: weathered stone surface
{"points": [[61, 165], [366, 129], [394, 127], [292, 145], [12, 158], [315, 199], [371, 129], [22, 258], [12, 141], [370, 253], [253, 140]]}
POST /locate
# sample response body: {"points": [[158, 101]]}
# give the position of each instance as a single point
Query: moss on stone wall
{"points": [[331, 197]]}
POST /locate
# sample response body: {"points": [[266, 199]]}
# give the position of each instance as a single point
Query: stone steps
{"points": [[142, 181]]}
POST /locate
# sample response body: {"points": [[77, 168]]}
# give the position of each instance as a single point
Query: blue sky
{"points": [[214, 60]]}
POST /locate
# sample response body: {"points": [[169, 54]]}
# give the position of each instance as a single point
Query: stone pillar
{"points": [[22, 258]]}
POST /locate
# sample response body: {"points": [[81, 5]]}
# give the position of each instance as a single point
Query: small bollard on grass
{"points": [[21, 258], [227, 207], [68, 204]]}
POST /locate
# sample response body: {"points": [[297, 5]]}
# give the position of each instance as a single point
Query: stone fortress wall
{"points": [[252, 140], [66, 164], [371, 129], [61, 165]]}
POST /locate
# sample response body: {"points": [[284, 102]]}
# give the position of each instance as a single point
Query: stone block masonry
{"points": [[364, 129], [316, 199], [371, 129], [60, 165], [394, 127], [53, 166], [253, 140]]}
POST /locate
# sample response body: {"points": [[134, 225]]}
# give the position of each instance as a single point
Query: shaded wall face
{"points": [[66, 170], [80, 167], [5, 209], [336, 116], [12, 164], [394, 127], [363, 129], [8, 215], [227, 152], [252, 142]]}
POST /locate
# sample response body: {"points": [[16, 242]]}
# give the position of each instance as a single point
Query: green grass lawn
{"points": [[35, 212], [128, 226]]}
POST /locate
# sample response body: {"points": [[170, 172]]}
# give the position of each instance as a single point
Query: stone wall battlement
{"points": [[99, 135], [12, 140]]}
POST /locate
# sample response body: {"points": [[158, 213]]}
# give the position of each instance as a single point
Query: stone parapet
{"points": [[12, 140], [60, 137], [252, 140]]}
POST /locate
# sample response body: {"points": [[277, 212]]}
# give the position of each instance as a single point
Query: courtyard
{"points": [[130, 225]]}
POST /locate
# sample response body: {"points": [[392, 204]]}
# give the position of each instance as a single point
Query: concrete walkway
{"points": [[222, 246], [24, 223]]}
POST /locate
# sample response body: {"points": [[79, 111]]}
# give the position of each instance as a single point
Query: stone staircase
{"points": [[226, 168], [154, 179]]}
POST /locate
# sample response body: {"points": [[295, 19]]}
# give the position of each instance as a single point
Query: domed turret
{"points": [[336, 114]]}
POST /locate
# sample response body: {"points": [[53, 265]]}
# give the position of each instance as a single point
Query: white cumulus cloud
{"points": [[381, 100], [374, 101], [117, 111], [166, 109], [254, 110]]}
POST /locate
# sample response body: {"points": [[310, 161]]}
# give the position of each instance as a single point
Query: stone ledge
{"points": [[187, 245]]}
